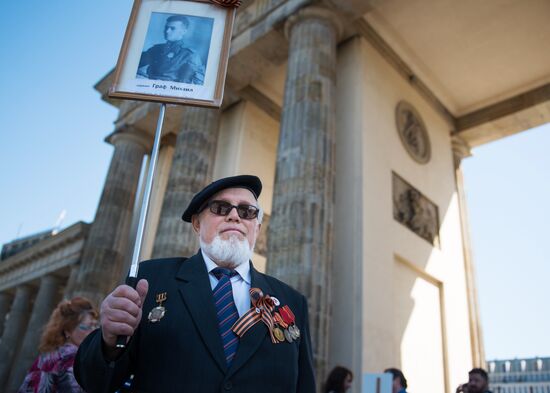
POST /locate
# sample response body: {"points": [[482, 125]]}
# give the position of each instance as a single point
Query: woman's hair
{"points": [[397, 374], [66, 316], [336, 378]]}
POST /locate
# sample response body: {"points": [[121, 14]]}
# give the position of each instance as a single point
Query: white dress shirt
{"points": [[240, 283]]}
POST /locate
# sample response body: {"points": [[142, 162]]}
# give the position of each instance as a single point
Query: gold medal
{"points": [[157, 313], [278, 333]]}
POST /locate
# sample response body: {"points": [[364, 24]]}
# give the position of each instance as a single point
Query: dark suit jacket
{"points": [[183, 351]]}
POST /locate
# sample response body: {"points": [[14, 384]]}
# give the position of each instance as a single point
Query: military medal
{"points": [[157, 313], [294, 331], [278, 333], [288, 317], [288, 336]]}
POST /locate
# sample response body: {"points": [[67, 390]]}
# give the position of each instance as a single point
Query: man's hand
{"points": [[121, 312], [462, 388]]}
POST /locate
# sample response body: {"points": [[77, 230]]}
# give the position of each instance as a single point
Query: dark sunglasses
{"points": [[223, 208]]}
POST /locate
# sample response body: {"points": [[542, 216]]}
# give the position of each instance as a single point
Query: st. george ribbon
{"points": [[132, 280]]}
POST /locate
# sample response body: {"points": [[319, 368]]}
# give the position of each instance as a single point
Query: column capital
{"points": [[315, 12], [461, 149], [132, 135]]}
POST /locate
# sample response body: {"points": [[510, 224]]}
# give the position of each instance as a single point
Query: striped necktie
{"points": [[226, 312]]}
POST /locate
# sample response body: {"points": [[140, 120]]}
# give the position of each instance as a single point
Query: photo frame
{"points": [[175, 51]]}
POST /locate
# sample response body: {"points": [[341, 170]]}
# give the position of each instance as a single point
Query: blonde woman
{"points": [[52, 371]]}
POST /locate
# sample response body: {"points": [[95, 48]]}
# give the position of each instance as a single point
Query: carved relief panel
{"points": [[412, 209]]}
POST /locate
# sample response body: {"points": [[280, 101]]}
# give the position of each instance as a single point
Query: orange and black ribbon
{"points": [[262, 307]]}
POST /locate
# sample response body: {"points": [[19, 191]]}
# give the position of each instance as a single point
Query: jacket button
{"points": [[228, 386]]}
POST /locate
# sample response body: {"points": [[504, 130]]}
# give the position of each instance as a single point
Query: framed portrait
{"points": [[175, 51]]}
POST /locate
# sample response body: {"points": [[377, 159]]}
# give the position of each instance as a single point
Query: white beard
{"points": [[228, 253]]}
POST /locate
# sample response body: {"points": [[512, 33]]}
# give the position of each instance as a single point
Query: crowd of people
{"points": [[239, 330]]}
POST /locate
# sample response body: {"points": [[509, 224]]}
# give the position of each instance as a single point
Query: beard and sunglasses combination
{"points": [[223, 208]]}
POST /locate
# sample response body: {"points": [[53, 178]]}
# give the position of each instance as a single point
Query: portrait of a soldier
{"points": [[173, 60]]}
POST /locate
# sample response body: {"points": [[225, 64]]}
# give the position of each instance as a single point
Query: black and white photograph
{"points": [[176, 48], [175, 51]]}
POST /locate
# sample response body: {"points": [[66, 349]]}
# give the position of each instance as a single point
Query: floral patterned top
{"points": [[52, 372]]}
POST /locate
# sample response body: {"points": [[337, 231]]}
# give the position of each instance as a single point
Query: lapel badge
{"points": [[157, 313]]}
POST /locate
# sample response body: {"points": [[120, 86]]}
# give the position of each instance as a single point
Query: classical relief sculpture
{"points": [[415, 211], [412, 132]]}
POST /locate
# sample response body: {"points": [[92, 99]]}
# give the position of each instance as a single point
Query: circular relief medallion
{"points": [[412, 132]]}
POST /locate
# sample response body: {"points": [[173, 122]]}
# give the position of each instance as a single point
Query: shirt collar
{"points": [[243, 269]]}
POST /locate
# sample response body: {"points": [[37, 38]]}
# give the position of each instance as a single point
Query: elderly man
{"points": [[210, 323], [174, 60]]}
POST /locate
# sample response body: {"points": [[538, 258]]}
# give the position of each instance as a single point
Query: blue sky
{"points": [[53, 158]]}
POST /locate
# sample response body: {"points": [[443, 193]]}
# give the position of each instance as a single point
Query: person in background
{"points": [[399, 383], [52, 371], [478, 382], [338, 381]]}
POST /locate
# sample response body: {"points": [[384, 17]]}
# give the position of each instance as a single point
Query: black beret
{"points": [[251, 183]]}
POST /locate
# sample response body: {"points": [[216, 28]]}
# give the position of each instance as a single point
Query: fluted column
{"points": [[103, 255], [71, 281], [15, 324], [43, 306], [461, 150], [5, 302], [301, 227], [192, 167]]}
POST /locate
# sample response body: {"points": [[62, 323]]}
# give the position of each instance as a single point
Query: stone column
{"points": [[461, 150], [71, 281], [192, 167], [5, 301], [15, 324], [43, 306], [162, 173], [103, 255], [300, 233]]}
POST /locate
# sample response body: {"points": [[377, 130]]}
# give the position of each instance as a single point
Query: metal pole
{"points": [[147, 195], [131, 280]]}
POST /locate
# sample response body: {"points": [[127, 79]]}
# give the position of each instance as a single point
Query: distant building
{"points": [[520, 375], [18, 245]]}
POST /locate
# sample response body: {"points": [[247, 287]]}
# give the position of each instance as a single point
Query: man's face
{"points": [[476, 383], [396, 385], [209, 225], [347, 382], [174, 31]]}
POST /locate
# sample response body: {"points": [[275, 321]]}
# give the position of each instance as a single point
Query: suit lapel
{"points": [[252, 339], [195, 289]]}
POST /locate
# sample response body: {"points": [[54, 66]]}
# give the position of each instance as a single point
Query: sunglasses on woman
{"points": [[223, 208]]}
